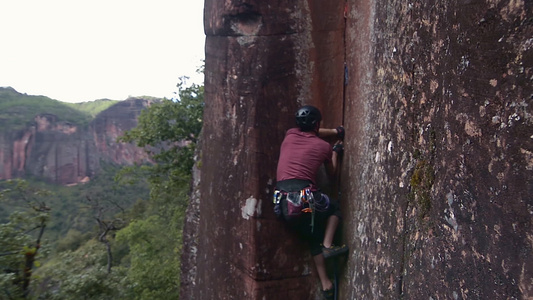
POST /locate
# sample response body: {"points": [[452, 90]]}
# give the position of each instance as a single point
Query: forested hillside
{"points": [[17, 109], [115, 236], [65, 143]]}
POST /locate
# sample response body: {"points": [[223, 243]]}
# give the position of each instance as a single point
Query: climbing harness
{"points": [[291, 205]]}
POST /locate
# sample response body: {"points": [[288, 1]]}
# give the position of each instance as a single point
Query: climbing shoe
{"points": [[329, 294], [334, 250]]}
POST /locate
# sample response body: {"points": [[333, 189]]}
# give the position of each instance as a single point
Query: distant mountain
{"points": [[61, 142]]}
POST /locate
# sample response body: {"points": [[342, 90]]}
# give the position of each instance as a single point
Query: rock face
{"points": [[259, 65], [436, 181], [66, 153]]}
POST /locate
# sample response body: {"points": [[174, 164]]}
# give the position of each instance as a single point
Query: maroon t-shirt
{"points": [[301, 154]]}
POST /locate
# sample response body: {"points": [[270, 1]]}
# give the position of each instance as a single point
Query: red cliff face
{"points": [[65, 153], [111, 124], [436, 183]]}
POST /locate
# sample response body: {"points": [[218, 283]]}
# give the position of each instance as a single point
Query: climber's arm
{"points": [[329, 132], [331, 166], [338, 150]]}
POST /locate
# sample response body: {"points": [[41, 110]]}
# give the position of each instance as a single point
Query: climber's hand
{"points": [[340, 132], [338, 148]]}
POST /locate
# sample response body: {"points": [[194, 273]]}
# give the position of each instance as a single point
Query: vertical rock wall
{"points": [[437, 176], [439, 156], [262, 62]]}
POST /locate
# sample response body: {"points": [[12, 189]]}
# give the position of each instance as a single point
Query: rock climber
{"points": [[302, 153]]}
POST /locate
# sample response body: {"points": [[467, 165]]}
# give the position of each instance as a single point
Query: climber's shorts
{"points": [[314, 235]]}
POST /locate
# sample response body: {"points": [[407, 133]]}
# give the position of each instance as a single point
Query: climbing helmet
{"points": [[307, 117]]}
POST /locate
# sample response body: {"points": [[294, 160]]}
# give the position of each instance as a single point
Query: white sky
{"points": [[73, 50]]}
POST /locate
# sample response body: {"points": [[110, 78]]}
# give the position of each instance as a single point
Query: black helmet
{"points": [[307, 117]]}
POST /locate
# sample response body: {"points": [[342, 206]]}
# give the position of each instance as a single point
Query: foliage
{"points": [[70, 210], [93, 108], [20, 237], [72, 240], [17, 109], [169, 130], [145, 262], [70, 223], [154, 241], [155, 246], [170, 120], [82, 274]]}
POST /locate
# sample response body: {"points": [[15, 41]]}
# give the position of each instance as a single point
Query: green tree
{"points": [[169, 131], [83, 274], [155, 245], [21, 236], [148, 247]]}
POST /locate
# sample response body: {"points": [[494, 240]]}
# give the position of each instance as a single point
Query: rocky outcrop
{"points": [[436, 187], [67, 153]]}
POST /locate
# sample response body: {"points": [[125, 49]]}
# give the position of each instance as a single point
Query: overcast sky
{"points": [[73, 50]]}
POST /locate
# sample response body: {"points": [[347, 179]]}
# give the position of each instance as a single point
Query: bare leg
{"points": [[331, 227], [320, 264]]}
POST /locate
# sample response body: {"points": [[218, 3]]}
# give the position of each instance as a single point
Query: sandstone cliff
{"points": [[67, 153], [437, 185]]}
